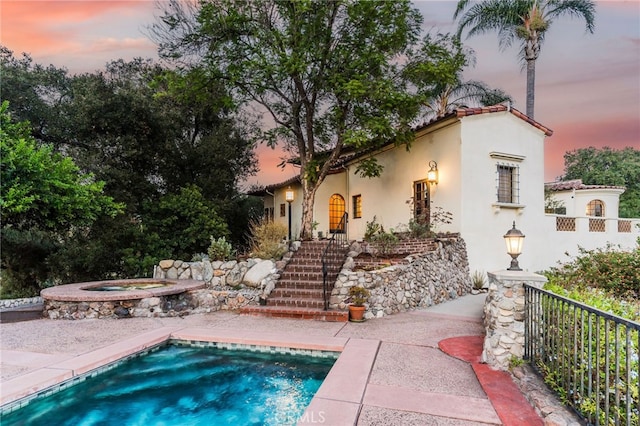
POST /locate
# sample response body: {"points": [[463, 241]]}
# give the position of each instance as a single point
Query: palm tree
{"points": [[436, 72], [525, 20]]}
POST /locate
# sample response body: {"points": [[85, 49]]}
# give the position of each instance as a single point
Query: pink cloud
{"points": [[48, 28]]}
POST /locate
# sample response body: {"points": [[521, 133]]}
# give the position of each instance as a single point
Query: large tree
{"points": [[606, 166], [327, 73], [164, 143], [524, 20]]}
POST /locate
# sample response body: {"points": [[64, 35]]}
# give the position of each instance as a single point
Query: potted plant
{"points": [[357, 296]]}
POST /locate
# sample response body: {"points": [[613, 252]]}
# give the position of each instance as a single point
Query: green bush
{"points": [[372, 229], [267, 239], [614, 271], [220, 249], [608, 280], [385, 242]]}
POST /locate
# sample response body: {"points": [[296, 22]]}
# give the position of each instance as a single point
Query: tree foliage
{"points": [[526, 21], [436, 72], [606, 166], [165, 145], [329, 75], [45, 200]]}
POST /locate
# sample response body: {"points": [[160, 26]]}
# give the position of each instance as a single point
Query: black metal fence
{"points": [[332, 258], [588, 356]]}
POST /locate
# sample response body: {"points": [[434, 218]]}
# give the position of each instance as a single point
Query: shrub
{"points": [[372, 229], [478, 280], [385, 241], [220, 249], [614, 271], [419, 228], [267, 239]]}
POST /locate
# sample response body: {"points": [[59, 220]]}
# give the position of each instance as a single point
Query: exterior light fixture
{"points": [[289, 196], [514, 240], [432, 174]]}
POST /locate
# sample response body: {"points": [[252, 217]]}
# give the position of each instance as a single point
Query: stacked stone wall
{"points": [[504, 315], [189, 302], [426, 279]]}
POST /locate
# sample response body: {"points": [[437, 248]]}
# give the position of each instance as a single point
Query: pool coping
{"points": [[337, 401]]}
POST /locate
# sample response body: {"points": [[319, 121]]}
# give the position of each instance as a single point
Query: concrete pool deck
{"points": [[391, 370]]}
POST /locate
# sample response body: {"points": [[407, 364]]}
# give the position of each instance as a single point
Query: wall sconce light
{"points": [[514, 240], [432, 174]]}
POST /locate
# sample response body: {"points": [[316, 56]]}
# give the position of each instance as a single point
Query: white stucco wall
{"points": [[487, 140], [576, 200], [467, 151], [388, 197]]}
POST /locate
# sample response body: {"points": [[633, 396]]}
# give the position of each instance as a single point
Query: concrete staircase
{"points": [[298, 293]]}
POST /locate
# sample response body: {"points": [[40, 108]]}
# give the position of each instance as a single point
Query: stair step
{"points": [[295, 302], [310, 285], [296, 313], [297, 276], [303, 293]]}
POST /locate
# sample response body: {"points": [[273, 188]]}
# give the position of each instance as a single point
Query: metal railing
{"points": [[588, 356], [330, 259]]}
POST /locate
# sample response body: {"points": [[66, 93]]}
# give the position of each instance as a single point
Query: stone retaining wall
{"points": [[232, 283], [15, 303], [427, 279], [189, 302]]}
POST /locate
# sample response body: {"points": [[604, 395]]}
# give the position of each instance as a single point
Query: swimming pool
{"points": [[178, 384]]}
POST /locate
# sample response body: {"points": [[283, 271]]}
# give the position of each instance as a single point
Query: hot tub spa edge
{"points": [[79, 292]]}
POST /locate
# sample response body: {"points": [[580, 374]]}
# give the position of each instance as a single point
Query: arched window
{"points": [[595, 208], [336, 210]]}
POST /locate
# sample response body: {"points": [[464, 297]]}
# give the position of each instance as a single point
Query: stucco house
{"points": [[490, 173]]}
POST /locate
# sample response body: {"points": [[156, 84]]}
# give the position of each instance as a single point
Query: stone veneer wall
{"points": [[429, 278], [14, 303], [504, 315], [229, 286]]}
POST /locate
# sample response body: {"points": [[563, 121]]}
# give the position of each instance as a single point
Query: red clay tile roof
{"points": [[459, 112], [577, 185], [463, 112]]}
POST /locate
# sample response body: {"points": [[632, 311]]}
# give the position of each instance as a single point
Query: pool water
{"points": [[178, 385]]}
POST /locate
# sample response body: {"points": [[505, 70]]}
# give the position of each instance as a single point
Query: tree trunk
{"points": [[531, 83], [308, 200]]}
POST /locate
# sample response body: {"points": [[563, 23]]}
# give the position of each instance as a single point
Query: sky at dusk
{"points": [[587, 85]]}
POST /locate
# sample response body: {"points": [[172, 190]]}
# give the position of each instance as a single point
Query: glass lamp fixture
{"points": [[514, 240], [432, 174]]}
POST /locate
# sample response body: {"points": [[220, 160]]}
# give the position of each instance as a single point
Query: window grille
{"points": [[596, 225], [595, 208], [624, 226], [508, 183], [567, 224], [282, 210]]}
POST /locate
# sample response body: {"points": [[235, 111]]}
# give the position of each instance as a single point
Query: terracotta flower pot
{"points": [[356, 313]]}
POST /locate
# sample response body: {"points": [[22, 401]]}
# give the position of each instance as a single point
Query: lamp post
{"points": [[514, 240], [289, 196]]}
